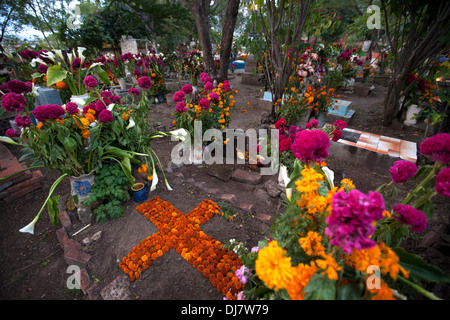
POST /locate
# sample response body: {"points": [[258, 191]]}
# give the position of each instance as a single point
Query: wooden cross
{"points": [[182, 233]]}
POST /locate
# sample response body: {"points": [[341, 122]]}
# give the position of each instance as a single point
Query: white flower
{"points": [[131, 124], [48, 55], [110, 106], [30, 227], [330, 176], [80, 53], [59, 53], [179, 134], [39, 60]]}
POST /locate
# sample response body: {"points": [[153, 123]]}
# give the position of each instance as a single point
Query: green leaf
{"points": [[55, 74], [70, 144], [53, 210], [320, 287], [419, 270], [352, 291]]}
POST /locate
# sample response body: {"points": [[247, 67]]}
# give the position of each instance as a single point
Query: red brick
{"points": [[248, 207], [77, 257], [70, 244], [65, 219], [246, 177], [62, 236], [22, 192], [11, 170], [263, 217], [229, 198], [35, 176], [84, 280]]}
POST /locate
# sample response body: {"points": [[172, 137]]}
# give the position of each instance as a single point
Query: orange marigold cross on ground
{"points": [[182, 233]]}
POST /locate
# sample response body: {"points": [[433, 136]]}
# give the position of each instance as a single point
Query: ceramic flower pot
{"points": [[80, 189], [140, 191]]}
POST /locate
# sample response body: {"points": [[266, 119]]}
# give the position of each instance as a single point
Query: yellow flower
{"points": [[273, 267], [302, 274], [312, 245], [329, 266], [347, 184]]}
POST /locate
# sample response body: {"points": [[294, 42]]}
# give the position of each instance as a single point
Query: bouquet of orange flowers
{"points": [[319, 99]]}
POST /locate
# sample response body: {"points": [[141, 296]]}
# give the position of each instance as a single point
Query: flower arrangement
{"points": [[71, 70], [118, 65], [330, 238], [183, 233], [319, 99], [213, 107], [152, 65]]}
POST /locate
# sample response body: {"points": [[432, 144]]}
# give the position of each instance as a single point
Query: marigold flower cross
{"points": [[182, 233]]}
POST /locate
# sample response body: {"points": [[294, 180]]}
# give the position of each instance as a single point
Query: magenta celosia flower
{"points": [[350, 223], [28, 54], [178, 96], [443, 182], [181, 107], [116, 99], [13, 101], [208, 86], [437, 147], [105, 116], [71, 108], [337, 134], [311, 145], [284, 143], [293, 131], [402, 171], [76, 63], [340, 124], [312, 124], [12, 133], [100, 105], [22, 121], [187, 88], [144, 82], [226, 86], [280, 123], [106, 94], [407, 214], [90, 82], [42, 68], [204, 103], [202, 76], [18, 86], [48, 112], [134, 92], [214, 96]]}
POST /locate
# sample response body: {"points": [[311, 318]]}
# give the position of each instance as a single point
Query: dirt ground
{"points": [[32, 267]]}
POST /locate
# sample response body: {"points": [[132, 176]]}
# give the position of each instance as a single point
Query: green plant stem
{"points": [[419, 289], [422, 184], [30, 168]]}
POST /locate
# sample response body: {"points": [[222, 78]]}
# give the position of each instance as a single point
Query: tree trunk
{"points": [[227, 38], [200, 11]]}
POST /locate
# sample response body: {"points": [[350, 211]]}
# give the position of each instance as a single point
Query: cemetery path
{"points": [[34, 266]]}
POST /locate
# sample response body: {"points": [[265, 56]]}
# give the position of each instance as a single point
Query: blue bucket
{"points": [[140, 191]]}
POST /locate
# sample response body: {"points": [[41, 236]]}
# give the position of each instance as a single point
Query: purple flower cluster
{"points": [[204, 103], [204, 78], [311, 145], [12, 133], [187, 88], [42, 68], [407, 214], [134, 92], [443, 182], [48, 112], [28, 54], [402, 171], [284, 143], [71, 108], [350, 223], [337, 134], [14, 101], [90, 82], [18, 86], [226, 86], [144, 82], [214, 96], [437, 147], [105, 116], [178, 96], [243, 273], [181, 107], [312, 124], [340, 124], [22, 121], [208, 86]]}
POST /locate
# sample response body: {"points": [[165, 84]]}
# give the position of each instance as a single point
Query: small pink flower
{"points": [[407, 214]]}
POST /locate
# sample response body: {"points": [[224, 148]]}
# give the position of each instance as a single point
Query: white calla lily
{"points": [[70, 56], [155, 179], [37, 60], [59, 53], [330, 176], [80, 53], [49, 55], [131, 124], [78, 101], [179, 134], [110, 106], [30, 227]]}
